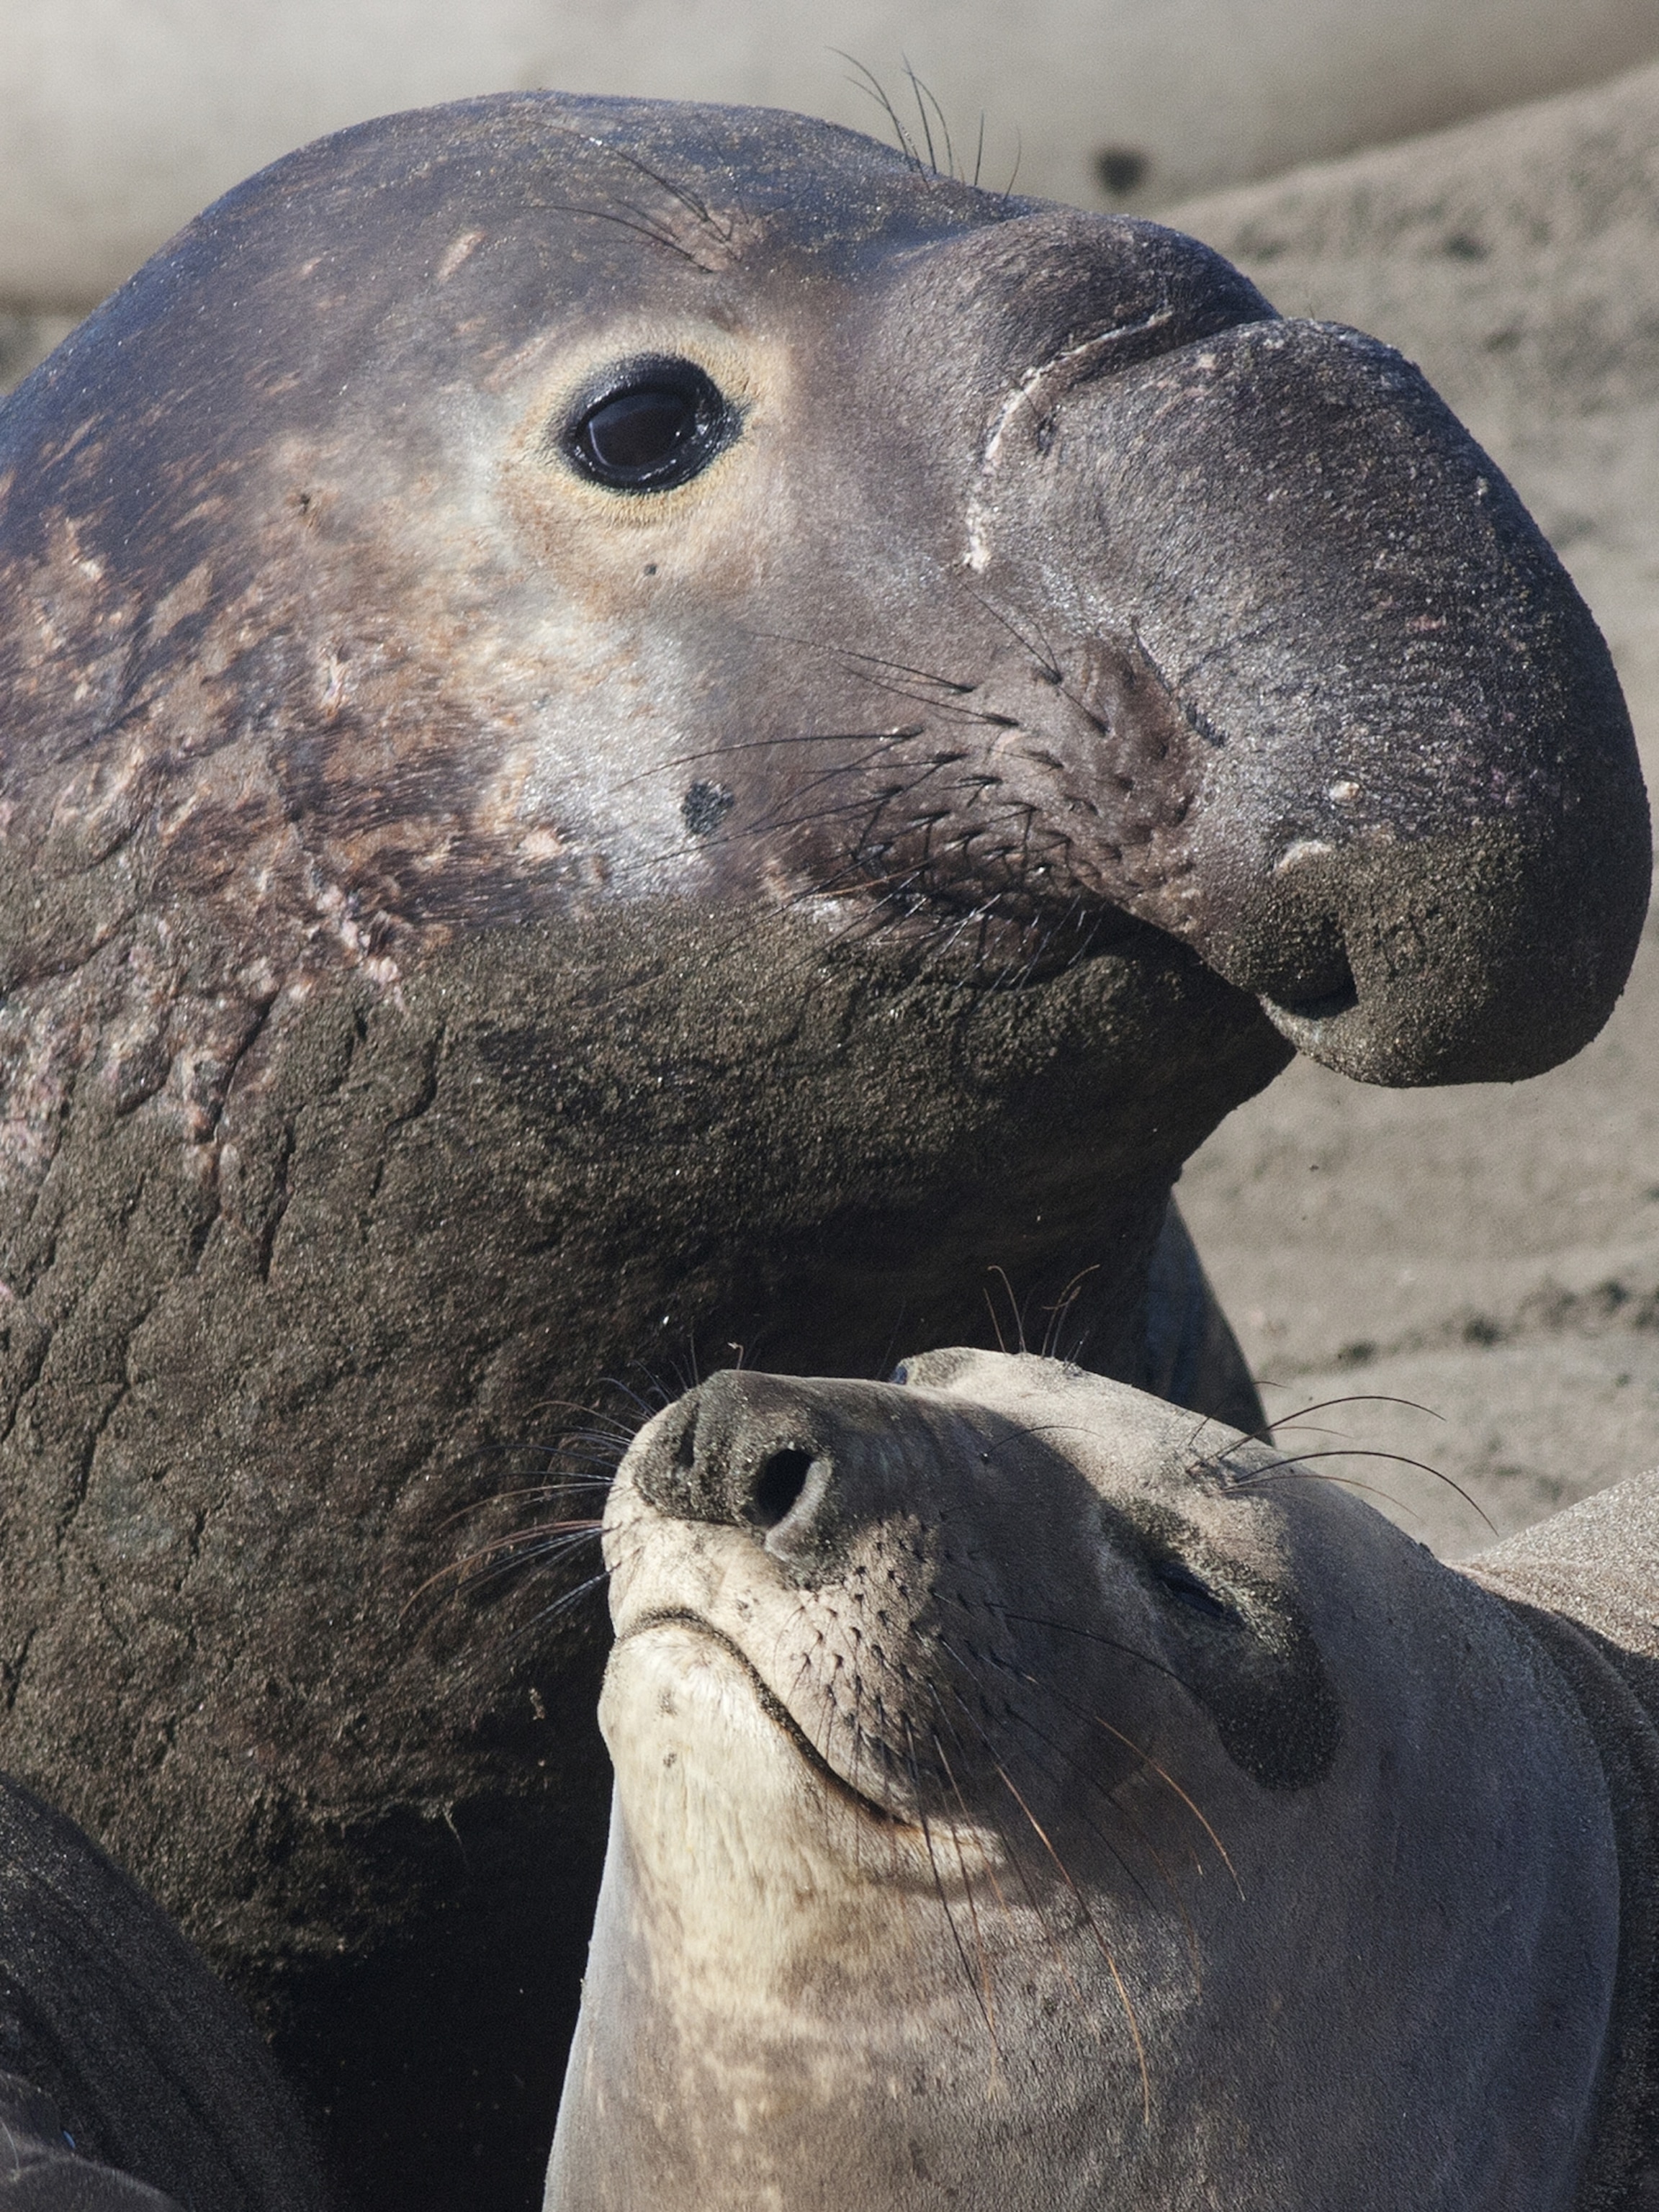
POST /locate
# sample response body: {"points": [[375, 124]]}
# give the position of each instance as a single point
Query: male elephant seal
{"points": [[629, 729], [1027, 1796]]}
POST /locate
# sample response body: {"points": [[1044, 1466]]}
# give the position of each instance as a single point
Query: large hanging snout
{"points": [[1412, 822]]}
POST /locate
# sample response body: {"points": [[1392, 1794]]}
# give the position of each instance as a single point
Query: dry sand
{"points": [[1492, 1252]]}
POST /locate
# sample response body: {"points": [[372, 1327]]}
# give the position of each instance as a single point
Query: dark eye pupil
{"points": [[659, 424], [639, 432]]}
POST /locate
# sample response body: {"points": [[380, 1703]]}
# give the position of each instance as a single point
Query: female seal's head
{"points": [[1011, 1773]]}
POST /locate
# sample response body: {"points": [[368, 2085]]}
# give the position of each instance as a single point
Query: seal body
{"points": [[1027, 1796], [632, 729], [129, 2081]]}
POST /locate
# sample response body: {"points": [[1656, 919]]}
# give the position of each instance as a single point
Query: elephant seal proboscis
{"points": [[130, 2080], [1030, 1797], [628, 729]]}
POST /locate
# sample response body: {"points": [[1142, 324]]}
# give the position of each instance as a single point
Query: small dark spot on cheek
{"points": [[705, 806], [650, 567]]}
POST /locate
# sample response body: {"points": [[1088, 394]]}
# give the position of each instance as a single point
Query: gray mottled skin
{"points": [[1031, 1800], [128, 2077], [467, 934]]}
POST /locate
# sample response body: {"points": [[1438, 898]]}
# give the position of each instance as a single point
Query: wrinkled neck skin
{"points": [[1397, 1997]]}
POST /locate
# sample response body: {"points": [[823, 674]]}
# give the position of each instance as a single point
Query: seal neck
{"points": [[1615, 1691]]}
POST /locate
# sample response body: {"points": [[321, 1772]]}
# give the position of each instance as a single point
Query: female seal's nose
{"points": [[756, 1452]]}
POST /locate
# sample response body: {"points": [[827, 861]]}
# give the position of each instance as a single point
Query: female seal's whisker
{"points": [[868, 83], [566, 1601], [1048, 1774], [1265, 1434], [941, 1892], [1358, 1451], [1062, 1306], [1016, 1861], [1152, 1765], [1093, 1782], [473, 1568], [1092, 1635], [637, 222], [1081, 1904], [1122, 1810], [955, 1828]]}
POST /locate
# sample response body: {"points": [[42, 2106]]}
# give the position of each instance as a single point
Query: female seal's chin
{"points": [[733, 1855], [707, 1776]]}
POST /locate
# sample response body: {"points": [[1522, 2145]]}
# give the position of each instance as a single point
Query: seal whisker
{"points": [[1062, 1305], [1264, 1433], [988, 1998], [541, 1490], [991, 1749], [641, 223], [646, 1412], [1013, 173], [1092, 1635], [944, 1903], [969, 1819], [1152, 1765], [1019, 1311], [876, 740], [468, 1570], [610, 1422], [948, 684], [1042, 660], [925, 98], [868, 82], [564, 1603], [687, 198], [1360, 1451], [1047, 1773], [1017, 1863], [1124, 1814], [1089, 1921]]}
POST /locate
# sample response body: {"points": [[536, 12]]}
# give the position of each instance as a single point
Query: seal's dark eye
{"points": [[658, 424], [1185, 1588]]}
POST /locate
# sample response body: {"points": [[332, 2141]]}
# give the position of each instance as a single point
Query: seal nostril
{"points": [[685, 1444], [779, 1481], [1338, 995]]}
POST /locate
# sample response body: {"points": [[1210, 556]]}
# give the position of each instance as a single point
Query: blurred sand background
{"points": [[1490, 1253]]}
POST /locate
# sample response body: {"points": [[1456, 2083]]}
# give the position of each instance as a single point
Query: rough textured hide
{"points": [[1025, 1799], [128, 2078], [468, 934]]}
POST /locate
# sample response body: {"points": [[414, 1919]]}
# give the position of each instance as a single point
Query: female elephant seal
{"points": [[633, 728], [1027, 1797]]}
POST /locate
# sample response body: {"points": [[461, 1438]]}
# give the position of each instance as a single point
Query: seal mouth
{"points": [[772, 1706]]}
